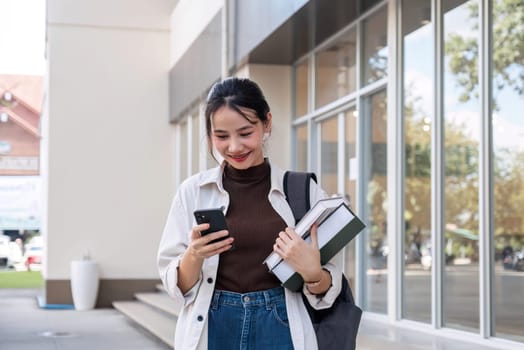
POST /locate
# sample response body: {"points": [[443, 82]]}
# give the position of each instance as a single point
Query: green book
{"points": [[334, 233]]}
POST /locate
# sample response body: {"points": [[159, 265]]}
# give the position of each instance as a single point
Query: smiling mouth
{"points": [[240, 158]]}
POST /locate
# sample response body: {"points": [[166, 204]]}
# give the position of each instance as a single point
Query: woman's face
{"points": [[238, 140]]}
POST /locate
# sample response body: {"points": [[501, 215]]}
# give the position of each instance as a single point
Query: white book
{"points": [[316, 214], [334, 233]]}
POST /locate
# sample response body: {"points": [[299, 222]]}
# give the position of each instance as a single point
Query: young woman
{"points": [[230, 300]]}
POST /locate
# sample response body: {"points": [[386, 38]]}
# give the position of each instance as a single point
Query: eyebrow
{"points": [[244, 128]]}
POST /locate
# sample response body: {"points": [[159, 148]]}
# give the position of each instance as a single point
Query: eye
{"points": [[246, 134], [221, 137]]}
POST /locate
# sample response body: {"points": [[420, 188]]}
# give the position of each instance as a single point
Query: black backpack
{"points": [[336, 327]]}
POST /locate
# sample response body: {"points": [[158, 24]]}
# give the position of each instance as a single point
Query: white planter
{"points": [[84, 284]]}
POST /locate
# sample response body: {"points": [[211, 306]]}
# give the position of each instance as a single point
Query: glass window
{"points": [[350, 183], [375, 143], [417, 111], [301, 89], [375, 49], [195, 142], [508, 133], [462, 135], [183, 150], [301, 150], [336, 70], [329, 155], [350, 156], [210, 161]]}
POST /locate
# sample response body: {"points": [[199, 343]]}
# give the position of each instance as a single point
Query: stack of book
{"points": [[337, 226]]}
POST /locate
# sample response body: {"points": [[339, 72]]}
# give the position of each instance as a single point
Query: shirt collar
{"points": [[214, 176]]}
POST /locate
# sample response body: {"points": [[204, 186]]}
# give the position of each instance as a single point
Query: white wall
{"points": [[188, 20], [275, 82], [124, 14], [107, 138]]}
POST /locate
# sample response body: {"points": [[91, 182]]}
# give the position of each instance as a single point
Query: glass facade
{"points": [[350, 167], [343, 165], [374, 47], [301, 148], [417, 107], [461, 173], [374, 213], [182, 151], [336, 69], [329, 154], [301, 89], [459, 70], [440, 71], [195, 141], [507, 125], [350, 175], [193, 152]]}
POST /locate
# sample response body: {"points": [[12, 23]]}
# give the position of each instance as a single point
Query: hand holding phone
{"points": [[215, 218]]}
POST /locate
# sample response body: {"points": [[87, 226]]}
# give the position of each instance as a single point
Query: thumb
{"points": [[314, 235], [195, 232]]}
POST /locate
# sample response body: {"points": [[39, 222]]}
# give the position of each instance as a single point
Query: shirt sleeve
{"points": [[173, 244], [325, 301]]}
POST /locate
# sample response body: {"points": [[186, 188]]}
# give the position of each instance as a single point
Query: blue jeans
{"points": [[250, 321]]}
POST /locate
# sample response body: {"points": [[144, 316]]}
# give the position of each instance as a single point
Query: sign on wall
{"points": [[20, 199], [19, 163]]}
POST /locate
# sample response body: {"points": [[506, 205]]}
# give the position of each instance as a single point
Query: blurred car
{"points": [[518, 261], [514, 261], [4, 250], [507, 257], [33, 254]]}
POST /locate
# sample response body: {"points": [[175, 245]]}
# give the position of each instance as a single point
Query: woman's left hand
{"points": [[302, 256]]}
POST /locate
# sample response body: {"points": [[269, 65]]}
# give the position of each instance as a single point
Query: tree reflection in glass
{"points": [[418, 102], [462, 136]]}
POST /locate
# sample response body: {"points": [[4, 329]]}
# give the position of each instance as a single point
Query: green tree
{"points": [[417, 200], [509, 193], [508, 50]]}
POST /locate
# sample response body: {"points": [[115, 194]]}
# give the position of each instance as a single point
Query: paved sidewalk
{"points": [[377, 334], [24, 326]]}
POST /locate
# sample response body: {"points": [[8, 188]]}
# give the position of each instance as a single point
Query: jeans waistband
{"points": [[266, 298]]}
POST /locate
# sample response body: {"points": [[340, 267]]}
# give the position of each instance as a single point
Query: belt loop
{"points": [[269, 302], [214, 301]]}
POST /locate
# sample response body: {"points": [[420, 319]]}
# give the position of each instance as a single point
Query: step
{"points": [[161, 301], [158, 323]]}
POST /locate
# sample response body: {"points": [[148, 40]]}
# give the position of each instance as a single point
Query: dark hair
{"points": [[236, 93]]}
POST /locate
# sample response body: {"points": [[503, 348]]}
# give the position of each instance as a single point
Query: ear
{"points": [[267, 124]]}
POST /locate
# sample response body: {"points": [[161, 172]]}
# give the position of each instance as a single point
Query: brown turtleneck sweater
{"points": [[255, 225]]}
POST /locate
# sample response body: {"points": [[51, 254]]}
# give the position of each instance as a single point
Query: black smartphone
{"points": [[215, 218]]}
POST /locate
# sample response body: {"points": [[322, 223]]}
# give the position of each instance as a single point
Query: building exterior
{"points": [[106, 143], [20, 107], [407, 107], [410, 107]]}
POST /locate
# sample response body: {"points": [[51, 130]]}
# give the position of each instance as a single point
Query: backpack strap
{"points": [[296, 189]]}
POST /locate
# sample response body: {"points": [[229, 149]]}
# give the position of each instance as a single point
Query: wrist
{"points": [[319, 286], [315, 279], [192, 258]]}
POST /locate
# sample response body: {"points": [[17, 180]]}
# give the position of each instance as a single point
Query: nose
{"points": [[235, 145]]}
